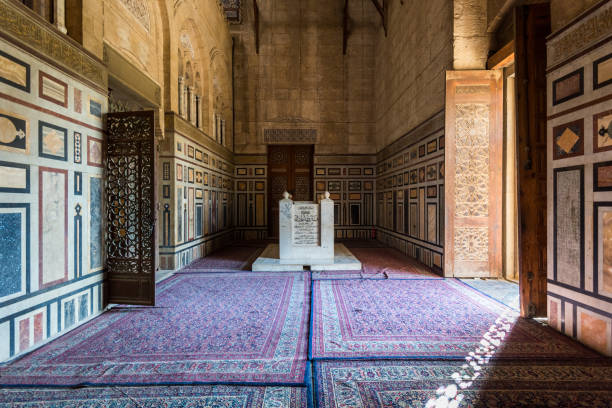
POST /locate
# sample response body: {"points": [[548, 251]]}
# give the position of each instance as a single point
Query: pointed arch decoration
{"points": [[140, 11]]}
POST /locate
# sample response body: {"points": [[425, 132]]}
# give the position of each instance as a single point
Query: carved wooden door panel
{"points": [[302, 173], [289, 169], [130, 208], [473, 184]]}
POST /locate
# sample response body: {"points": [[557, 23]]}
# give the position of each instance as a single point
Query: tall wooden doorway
{"points": [[289, 169], [131, 241], [532, 25]]}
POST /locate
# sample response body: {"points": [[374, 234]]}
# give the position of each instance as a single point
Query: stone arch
{"points": [[192, 72], [220, 88]]}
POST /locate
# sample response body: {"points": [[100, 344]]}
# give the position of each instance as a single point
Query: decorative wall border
{"points": [[290, 136], [48, 111], [580, 35], [22, 25]]}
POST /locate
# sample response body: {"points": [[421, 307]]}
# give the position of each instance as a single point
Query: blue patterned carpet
{"points": [[218, 396], [206, 328], [395, 383]]}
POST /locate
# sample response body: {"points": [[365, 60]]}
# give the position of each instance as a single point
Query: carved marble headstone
{"points": [[306, 231]]}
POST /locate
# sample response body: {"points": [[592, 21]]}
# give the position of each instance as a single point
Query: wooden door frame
{"points": [[290, 171], [531, 135], [124, 285]]}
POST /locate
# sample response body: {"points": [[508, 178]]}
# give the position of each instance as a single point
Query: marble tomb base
{"points": [[269, 261]]}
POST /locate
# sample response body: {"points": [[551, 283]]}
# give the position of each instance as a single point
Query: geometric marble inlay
{"points": [[567, 140]]}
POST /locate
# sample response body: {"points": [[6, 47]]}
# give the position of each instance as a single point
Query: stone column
{"points": [[180, 96], [185, 101], [59, 17], [191, 108], [198, 108], [222, 132]]}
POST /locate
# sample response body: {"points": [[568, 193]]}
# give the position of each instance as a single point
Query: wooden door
{"points": [[130, 208], [289, 169], [473, 184], [532, 25]]}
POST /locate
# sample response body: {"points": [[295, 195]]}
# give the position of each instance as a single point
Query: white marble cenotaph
{"points": [[306, 239]]}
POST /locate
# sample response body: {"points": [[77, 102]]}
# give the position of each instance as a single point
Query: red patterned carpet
{"points": [[217, 396], [392, 335], [421, 318], [425, 384], [231, 258], [391, 263], [380, 263], [247, 328]]}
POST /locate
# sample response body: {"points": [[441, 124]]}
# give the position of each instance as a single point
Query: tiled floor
{"points": [[505, 291]]}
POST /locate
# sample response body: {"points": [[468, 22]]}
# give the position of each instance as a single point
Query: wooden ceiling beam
{"points": [[502, 58]]}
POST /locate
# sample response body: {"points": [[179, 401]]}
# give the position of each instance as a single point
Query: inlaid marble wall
{"points": [[352, 186], [580, 179], [410, 193], [251, 209], [51, 164], [350, 179], [196, 196]]}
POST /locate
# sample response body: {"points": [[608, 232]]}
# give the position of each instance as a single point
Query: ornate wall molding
{"points": [[174, 123], [594, 26], [290, 136], [44, 39], [140, 11], [425, 129]]}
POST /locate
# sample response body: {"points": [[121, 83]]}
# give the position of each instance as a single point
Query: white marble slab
{"points": [[306, 230], [269, 261]]}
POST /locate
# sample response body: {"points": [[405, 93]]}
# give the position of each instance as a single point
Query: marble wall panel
{"points": [[53, 225], [579, 189]]}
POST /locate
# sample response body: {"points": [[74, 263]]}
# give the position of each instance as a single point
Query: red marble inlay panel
{"points": [[38, 328], [24, 334]]}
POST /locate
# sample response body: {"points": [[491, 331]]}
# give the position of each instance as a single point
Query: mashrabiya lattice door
{"points": [[130, 200]]}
